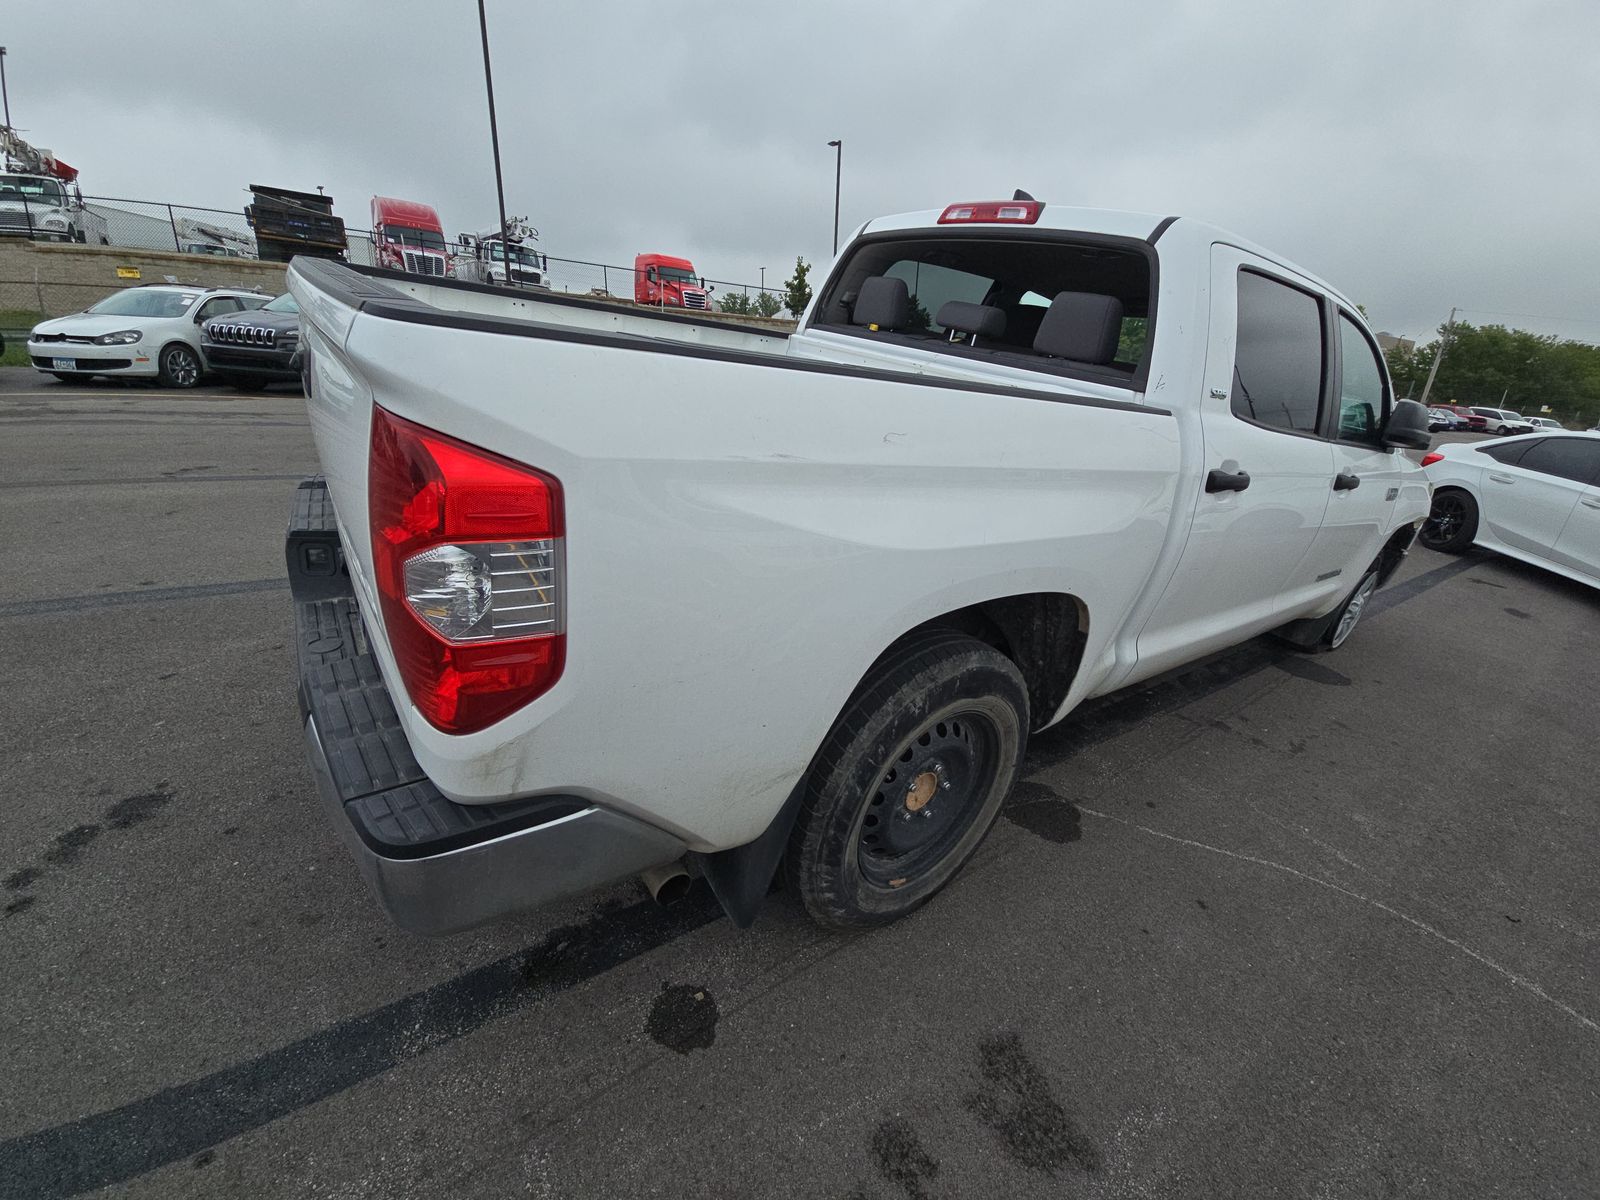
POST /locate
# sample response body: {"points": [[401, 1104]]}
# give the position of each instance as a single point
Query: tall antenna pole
{"points": [[1444, 342], [494, 137]]}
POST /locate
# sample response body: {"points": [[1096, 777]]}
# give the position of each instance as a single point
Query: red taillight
{"points": [[1004, 212], [1432, 456], [468, 556]]}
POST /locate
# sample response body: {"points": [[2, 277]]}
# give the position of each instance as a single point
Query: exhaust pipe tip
{"points": [[666, 884]]}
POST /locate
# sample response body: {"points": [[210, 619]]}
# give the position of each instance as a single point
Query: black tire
{"points": [[179, 366], [1452, 522], [1503, 430], [935, 735], [72, 376], [244, 383]]}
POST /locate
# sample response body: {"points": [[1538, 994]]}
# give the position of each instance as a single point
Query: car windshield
{"points": [[425, 239], [284, 304], [676, 275], [142, 302], [520, 256], [1511, 416], [31, 187]]}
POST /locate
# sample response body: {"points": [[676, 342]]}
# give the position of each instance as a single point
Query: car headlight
{"points": [[123, 337], [53, 220]]}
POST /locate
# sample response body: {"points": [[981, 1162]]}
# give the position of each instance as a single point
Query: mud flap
{"points": [[741, 877]]}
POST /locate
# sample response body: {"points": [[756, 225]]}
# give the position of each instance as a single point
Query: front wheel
{"points": [[179, 367], [909, 782], [1355, 604], [1452, 522]]}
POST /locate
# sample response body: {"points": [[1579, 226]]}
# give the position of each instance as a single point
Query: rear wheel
{"points": [[179, 366], [909, 782], [1452, 522]]}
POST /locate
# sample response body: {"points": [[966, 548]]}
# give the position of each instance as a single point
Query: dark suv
{"points": [[252, 349]]}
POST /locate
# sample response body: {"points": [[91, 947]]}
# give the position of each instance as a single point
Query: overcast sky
{"points": [[1417, 154]]}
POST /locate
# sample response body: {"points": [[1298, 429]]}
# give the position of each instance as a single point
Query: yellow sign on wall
{"points": [[127, 272]]}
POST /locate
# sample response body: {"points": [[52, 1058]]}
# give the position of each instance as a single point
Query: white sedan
{"points": [[1535, 498], [144, 332]]}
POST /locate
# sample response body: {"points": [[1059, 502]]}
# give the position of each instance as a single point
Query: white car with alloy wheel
{"points": [[1534, 498], [148, 332]]}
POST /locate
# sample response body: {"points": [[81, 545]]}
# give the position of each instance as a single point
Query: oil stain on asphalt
{"points": [[683, 1018], [899, 1156], [71, 846], [1044, 812], [1017, 1102]]}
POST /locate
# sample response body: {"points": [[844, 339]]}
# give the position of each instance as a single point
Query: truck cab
{"points": [[484, 258], [44, 208], [667, 282], [407, 236]]}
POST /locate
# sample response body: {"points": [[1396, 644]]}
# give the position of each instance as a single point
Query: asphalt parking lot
{"points": [[1273, 926]]}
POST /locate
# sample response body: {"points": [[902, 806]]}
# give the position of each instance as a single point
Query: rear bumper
{"points": [[435, 866]]}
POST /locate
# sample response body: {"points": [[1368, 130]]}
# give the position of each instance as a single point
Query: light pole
{"points": [[1438, 355], [494, 138], [3, 93], [838, 166], [763, 279]]}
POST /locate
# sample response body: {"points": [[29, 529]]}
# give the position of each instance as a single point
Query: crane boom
{"points": [[23, 156]]}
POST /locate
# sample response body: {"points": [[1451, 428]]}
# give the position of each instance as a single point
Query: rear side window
{"points": [[1509, 453], [1577, 459], [1278, 363]]}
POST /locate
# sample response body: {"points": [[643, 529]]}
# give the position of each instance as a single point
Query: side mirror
{"points": [[1407, 428]]}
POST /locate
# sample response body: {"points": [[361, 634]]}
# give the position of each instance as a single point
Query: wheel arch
{"points": [[1043, 633]]}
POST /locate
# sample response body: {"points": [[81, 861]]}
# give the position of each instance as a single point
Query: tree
{"points": [[919, 318], [735, 302], [797, 292], [766, 305]]}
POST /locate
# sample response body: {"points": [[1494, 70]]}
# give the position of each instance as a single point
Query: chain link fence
{"points": [[220, 235]]}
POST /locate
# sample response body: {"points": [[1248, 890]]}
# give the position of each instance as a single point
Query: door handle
{"points": [[1498, 478], [1218, 480], [1346, 481]]}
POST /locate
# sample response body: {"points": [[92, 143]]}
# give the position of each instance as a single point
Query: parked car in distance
{"points": [[1502, 420], [1474, 422], [857, 629], [1534, 498], [249, 350], [148, 332], [1444, 420], [1545, 425]]}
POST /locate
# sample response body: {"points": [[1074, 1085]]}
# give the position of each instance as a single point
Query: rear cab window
{"points": [[1101, 331]]}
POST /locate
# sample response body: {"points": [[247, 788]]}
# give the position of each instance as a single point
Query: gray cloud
{"points": [[1418, 155]]}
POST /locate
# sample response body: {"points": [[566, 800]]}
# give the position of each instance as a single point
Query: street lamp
{"points": [[494, 137], [763, 279], [838, 165]]}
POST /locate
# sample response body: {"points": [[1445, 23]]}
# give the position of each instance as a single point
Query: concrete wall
{"points": [[53, 279]]}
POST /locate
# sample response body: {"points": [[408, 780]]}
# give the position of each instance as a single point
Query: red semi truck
{"points": [[664, 281], [407, 236]]}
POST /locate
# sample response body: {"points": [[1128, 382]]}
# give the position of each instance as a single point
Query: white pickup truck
{"points": [[588, 592]]}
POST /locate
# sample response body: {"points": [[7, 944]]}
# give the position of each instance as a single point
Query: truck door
{"points": [[1366, 477], [1267, 470]]}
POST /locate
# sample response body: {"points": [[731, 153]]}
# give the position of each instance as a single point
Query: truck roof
{"points": [[1116, 223], [413, 213], [665, 260]]}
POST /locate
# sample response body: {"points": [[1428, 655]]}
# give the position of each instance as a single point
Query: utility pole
{"points": [[763, 279], [494, 138], [838, 167], [1444, 343], [4, 95]]}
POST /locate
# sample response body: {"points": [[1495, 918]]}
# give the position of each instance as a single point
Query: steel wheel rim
{"points": [[925, 800], [1353, 610], [182, 367], [1445, 521]]}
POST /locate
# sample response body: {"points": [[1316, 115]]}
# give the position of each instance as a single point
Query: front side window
{"points": [[217, 306], [1278, 362], [1577, 459], [1361, 399]]}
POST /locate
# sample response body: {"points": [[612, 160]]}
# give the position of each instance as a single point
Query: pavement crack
{"points": [[1456, 944]]}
